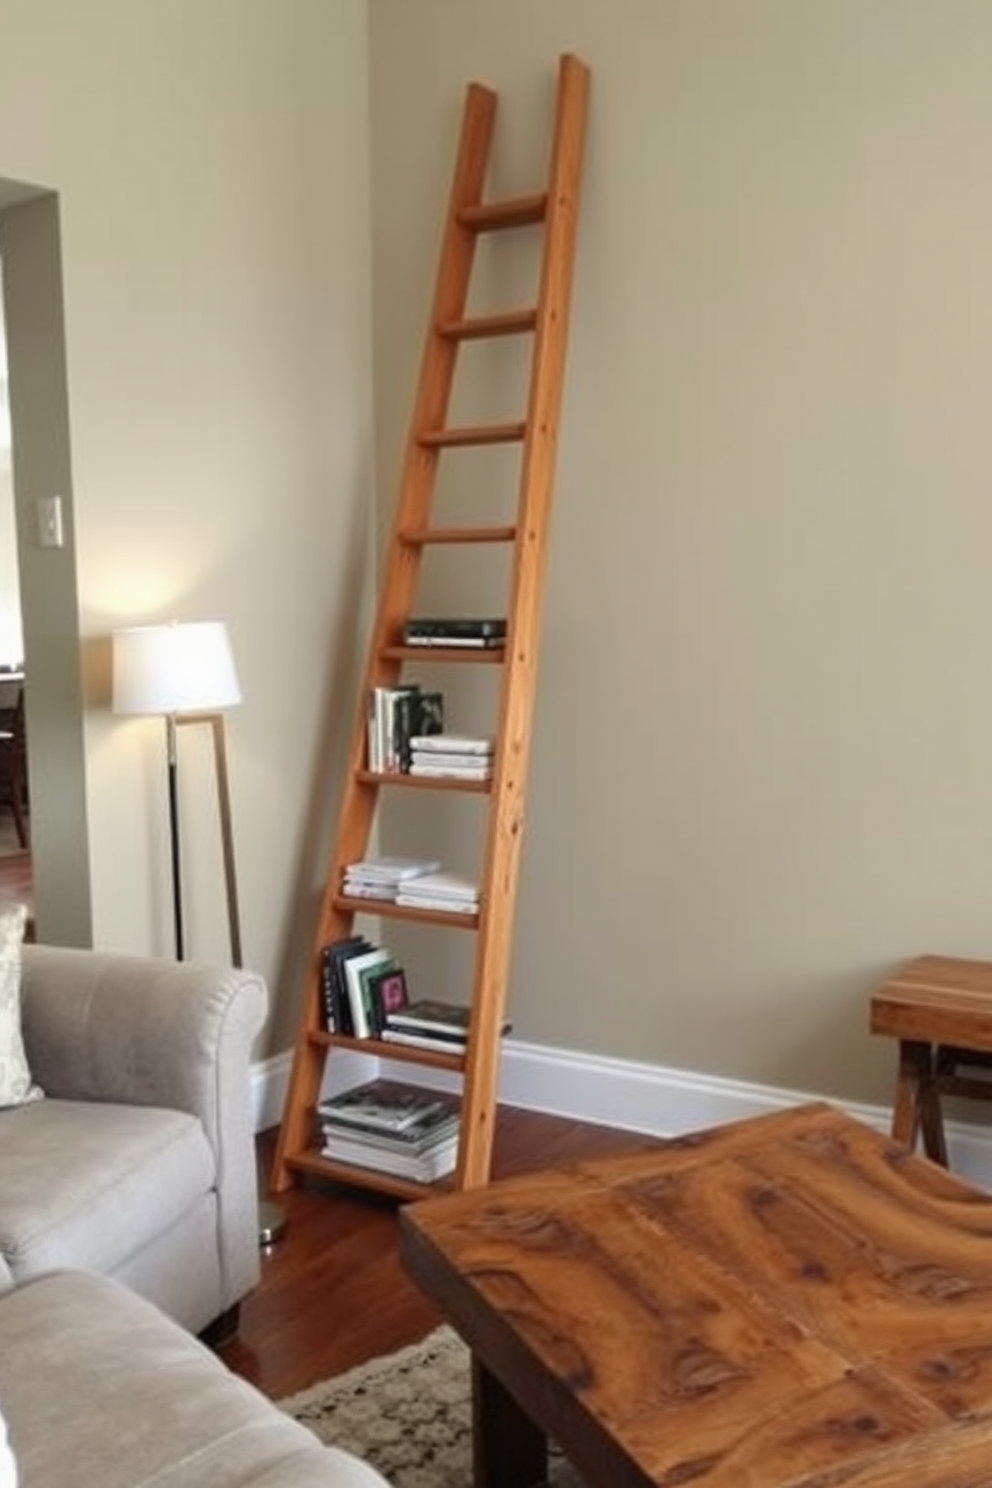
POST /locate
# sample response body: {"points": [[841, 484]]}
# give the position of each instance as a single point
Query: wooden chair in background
{"points": [[14, 767], [940, 1010]]}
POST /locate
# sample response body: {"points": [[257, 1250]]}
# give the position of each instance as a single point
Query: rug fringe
{"points": [[443, 1339]]}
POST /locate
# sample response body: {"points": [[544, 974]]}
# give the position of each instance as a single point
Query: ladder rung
{"points": [[510, 323], [479, 434], [426, 782], [393, 911], [404, 1188], [422, 654], [458, 535], [517, 211]]}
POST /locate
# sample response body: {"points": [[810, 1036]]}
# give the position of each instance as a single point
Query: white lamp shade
{"points": [[177, 668]]}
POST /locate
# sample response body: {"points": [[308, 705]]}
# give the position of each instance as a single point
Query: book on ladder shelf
{"points": [[407, 738]]}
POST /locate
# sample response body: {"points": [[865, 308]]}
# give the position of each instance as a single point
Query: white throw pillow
{"points": [[8, 1467], [16, 1085]]}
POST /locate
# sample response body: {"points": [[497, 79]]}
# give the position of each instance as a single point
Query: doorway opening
{"points": [[36, 404]]}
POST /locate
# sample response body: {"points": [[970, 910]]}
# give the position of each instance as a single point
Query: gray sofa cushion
{"points": [[113, 1179], [102, 1029], [98, 1387]]}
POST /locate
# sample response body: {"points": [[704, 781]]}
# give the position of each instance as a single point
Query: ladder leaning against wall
{"points": [[552, 212]]}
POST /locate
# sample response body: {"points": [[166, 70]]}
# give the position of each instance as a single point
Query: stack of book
{"points": [[382, 877], [361, 983], [447, 631], [451, 892], [395, 715], [395, 1128], [431, 1024], [457, 756]]}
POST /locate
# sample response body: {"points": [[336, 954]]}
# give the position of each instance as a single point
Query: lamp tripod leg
{"points": [[177, 883], [271, 1217]]}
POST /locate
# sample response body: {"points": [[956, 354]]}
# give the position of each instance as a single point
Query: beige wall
{"points": [[210, 163], [763, 759], [11, 640], [761, 768]]}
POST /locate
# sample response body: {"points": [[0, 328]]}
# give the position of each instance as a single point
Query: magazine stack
{"points": [[405, 1130], [451, 892], [381, 878], [429, 1023], [451, 756]]}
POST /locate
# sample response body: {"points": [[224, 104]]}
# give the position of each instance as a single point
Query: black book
{"points": [[387, 989], [385, 1105], [430, 714], [416, 713], [437, 631], [336, 1001], [326, 991]]}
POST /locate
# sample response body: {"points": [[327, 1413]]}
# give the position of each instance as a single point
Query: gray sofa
{"points": [[136, 1174], [139, 1162], [99, 1390]]}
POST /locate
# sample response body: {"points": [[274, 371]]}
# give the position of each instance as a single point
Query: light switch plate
{"points": [[49, 509]]}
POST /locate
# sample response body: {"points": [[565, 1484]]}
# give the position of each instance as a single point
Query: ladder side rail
{"points": [[501, 857], [397, 583]]}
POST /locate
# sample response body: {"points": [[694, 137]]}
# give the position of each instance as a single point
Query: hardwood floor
{"points": [[16, 873], [333, 1292], [17, 884]]}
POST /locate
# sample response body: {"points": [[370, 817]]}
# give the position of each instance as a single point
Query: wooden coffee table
{"points": [[791, 1300]]}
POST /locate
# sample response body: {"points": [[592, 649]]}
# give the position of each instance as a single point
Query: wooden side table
{"points": [[940, 1010]]}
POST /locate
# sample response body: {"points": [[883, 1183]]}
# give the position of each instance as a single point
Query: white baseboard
{"points": [[270, 1080], [636, 1097]]}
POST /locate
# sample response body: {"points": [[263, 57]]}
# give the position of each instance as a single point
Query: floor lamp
{"points": [[185, 673]]}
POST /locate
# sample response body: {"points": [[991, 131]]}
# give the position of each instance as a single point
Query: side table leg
{"points": [[931, 1113], [915, 1074], [508, 1450]]}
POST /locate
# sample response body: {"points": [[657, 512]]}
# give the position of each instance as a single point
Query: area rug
{"points": [[408, 1414]]}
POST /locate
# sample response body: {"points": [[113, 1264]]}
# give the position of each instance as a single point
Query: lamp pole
{"points": [[179, 670], [177, 882]]}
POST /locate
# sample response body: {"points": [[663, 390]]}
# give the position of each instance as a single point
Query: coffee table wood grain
{"points": [[790, 1300]]}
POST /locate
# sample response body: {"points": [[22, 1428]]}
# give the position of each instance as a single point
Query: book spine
{"points": [[359, 1023], [430, 714], [370, 1003], [445, 1043], [339, 994], [405, 726], [327, 990], [388, 729], [403, 1022], [371, 742]]}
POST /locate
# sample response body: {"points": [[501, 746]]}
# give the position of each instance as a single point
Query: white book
{"points": [[441, 758], [445, 1045], [353, 967], [458, 766], [448, 905], [423, 1169], [479, 642], [359, 888], [452, 744], [446, 885], [390, 870]]}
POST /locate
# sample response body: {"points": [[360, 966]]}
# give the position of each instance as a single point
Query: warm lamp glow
{"points": [[178, 668]]}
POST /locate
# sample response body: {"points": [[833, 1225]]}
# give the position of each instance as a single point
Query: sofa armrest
{"points": [[100, 1026], [141, 1032]]}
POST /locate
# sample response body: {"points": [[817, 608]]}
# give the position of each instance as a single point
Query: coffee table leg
{"points": [[509, 1451]]}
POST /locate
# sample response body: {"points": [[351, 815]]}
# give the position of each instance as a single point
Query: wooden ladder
{"points": [[555, 211]]}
